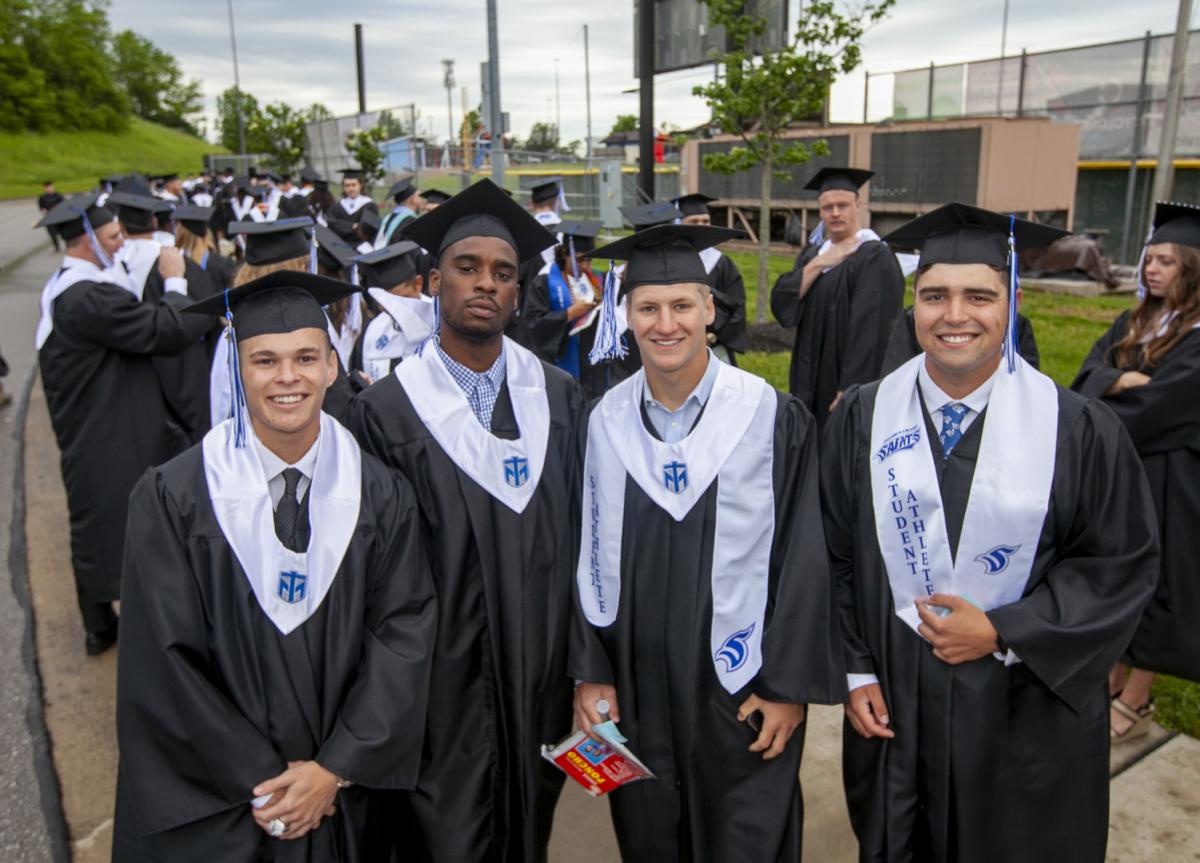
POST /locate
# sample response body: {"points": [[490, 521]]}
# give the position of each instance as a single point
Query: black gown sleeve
{"points": [[1026, 342], [376, 740], [547, 331], [729, 301], [1097, 373], [786, 305], [1074, 625], [802, 653], [839, 447], [901, 344], [187, 751], [876, 298], [110, 316]]}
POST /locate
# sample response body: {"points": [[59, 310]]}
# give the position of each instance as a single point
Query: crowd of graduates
{"points": [[392, 498]]}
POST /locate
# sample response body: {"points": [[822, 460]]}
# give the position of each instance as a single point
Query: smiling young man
{"points": [[842, 297], [278, 617], [993, 544], [487, 434], [706, 617], [96, 344]]}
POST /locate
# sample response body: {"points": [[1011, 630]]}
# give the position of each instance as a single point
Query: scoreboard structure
{"points": [[683, 38]]}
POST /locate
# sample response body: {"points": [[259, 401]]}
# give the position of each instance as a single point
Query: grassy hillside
{"points": [[76, 160]]}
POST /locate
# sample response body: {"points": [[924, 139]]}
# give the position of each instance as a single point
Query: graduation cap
{"points": [[390, 266], [272, 242], [482, 210], [1175, 223], [961, 234], [273, 177], [351, 173], [134, 186], [332, 251], [194, 218], [549, 189], [167, 178], [435, 196], [695, 204], [258, 193], [579, 236], [370, 223], [402, 189], [310, 175], [136, 212], [279, 302], [839, 179], [649, 215], [663, 255], [77, 216]]}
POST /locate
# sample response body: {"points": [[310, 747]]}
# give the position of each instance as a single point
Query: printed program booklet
{"points": [[598, 767]]}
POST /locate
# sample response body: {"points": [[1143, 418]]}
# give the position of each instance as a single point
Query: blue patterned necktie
{"points": [[953, 414]]}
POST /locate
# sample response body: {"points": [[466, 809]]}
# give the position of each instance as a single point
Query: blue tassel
{"points": [[818, 234], [1014, 284], [571, 249], [562, 200], [237, 410], [101, 255], [608, 344], [1142, 290], [312, 251], [354, 274], [437, 325]]}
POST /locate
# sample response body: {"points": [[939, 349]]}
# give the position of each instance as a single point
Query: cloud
{"points": [[302, 51]]}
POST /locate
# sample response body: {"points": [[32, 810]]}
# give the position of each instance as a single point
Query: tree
{"points": [[394, 127], [543, 138], [758, 97], [363, 145], [227, 120], [153, 82], [278, 131], [66, 41], [24, 102], [625, 123]]}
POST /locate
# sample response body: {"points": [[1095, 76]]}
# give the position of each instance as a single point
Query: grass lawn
{"points": [[1066, 327], [77, 160]]}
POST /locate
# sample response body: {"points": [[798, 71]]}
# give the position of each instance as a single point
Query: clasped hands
{"points": [[300, 797]]}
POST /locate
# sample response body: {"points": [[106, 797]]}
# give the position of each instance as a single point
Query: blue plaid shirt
{"points": [[480, 388]]}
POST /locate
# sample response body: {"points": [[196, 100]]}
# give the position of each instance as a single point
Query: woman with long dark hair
{"points": [[1147, 369]]}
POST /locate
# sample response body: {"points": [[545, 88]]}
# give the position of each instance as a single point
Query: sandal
{"points": [[1140, 721]]}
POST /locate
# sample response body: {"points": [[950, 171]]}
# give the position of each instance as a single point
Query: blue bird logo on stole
{"points": [[293, 587], [516, 471], [734, 652], [675, 477], [998, 559]]}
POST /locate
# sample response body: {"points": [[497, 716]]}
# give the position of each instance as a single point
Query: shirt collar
{"points": [[273, 465], [700, 394], [936, 398], [462, 374]]}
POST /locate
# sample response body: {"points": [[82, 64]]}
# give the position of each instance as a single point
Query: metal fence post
{"points": [[1135, 150]]}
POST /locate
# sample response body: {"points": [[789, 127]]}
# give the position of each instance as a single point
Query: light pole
{"points": [[496, 116], [237, 86], [448, 82]]}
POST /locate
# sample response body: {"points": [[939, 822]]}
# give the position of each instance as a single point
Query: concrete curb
{"points": [[49, 791], [16, 262]]}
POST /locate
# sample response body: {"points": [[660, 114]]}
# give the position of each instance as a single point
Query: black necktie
{"points": [[288, 511]]}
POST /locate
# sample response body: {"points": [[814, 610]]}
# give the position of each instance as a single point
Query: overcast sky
{"points": [[301, 51]]}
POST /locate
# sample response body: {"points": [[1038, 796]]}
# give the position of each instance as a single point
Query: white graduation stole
{"points": [[396, 334], [1007, 506], [288, 585], [72, 272], [734, 444], [508, 470], [353, 205]]}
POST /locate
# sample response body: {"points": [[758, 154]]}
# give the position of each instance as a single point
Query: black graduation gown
{"points": [[212, 699], [1163, 419], [993, 763], [842, 324], [293, 206], [344, 224], [109, 414], [185, 376], [729, 300], [504, 581], [713, 800], [221, 270], [902, 344]]}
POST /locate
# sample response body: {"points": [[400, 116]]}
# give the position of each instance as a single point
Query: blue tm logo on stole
{"points": [[734, 651], [675, 477], [997, 560], [516, 471], [293, 587], [382, 341]]}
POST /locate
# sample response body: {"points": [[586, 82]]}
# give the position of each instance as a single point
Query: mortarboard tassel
{"points": [[571, 249], [818, 233], [101, 255], [312, 251], [562, 200], [1014, 284], [1142, 290], [608, 345], [237, 407]]}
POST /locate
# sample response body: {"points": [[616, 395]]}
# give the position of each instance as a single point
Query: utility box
{"points": [[611, 195]]}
